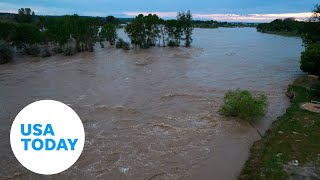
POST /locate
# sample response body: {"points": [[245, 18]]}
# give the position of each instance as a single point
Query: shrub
{"points": [[33, 50], [57, 50], [125, 46], [45, 53], [172, 44], [6, 52], [316, 89], [119, 43], [310, 59], [101, 44], [69, 51], [122, 44], [241, 103]]}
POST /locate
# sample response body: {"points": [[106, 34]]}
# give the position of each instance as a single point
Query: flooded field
{"points": [[152, 114]]}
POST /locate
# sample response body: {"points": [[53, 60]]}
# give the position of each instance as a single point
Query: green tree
{"points": [[83, 30], [152, 29], [310, 59], [174, 32], [7, 31], [185, 19], [312, 29], [136, 31], [27, 34], [25, 15], [109, 33]]}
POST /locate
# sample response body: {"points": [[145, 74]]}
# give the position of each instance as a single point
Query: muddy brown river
{"points": [[152, 114]]}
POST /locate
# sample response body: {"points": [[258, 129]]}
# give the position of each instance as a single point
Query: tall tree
{"points": [[316, 11], [25, 15], [174, 32], [109, 33], [185, 19]]}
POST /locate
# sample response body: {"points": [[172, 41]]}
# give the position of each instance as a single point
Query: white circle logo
{"points": [[47, 137]]}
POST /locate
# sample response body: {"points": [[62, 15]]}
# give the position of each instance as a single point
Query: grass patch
{"points": [[294, 136]]}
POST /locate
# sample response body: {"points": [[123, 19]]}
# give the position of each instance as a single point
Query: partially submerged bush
{"points": [[6, 52], [45, 53], [122, 44], [101, 44], [242, 104], [69, 51], [33, 50], [70, 48], [57, 50], [172, 43]]}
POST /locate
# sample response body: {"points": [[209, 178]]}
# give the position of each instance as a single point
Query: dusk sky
{"points": [[221, 10]]}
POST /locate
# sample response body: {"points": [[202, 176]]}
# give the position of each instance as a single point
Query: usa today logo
{"points": [[47, 137]]}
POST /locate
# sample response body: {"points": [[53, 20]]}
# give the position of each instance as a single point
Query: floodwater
{"points": [[152, 114]]}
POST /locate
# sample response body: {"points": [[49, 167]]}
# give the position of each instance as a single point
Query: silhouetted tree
{"points": [[25, 15], [185, 19]]}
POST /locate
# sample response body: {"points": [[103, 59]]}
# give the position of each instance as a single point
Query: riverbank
{"points": [[282, 33], [291, 148]]}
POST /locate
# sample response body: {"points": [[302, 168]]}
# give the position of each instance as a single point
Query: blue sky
{"points": [[230, 10]]}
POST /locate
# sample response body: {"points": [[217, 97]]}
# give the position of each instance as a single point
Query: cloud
{"points": [[43, 10], [232, 17], [12, 8]]}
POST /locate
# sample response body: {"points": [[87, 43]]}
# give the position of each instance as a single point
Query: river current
{"points": [[153, 113]]}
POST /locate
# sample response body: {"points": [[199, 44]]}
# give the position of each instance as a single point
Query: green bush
{"points": [[173, 44], [242, 104], [310, 59], [6, 52]]}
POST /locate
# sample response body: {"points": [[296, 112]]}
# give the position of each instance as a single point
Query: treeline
{"points": [[46, 35], [216, 24], [309, 31], [287, 26]]}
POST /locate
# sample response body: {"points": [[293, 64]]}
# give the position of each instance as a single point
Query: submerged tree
{"points": [[174, 32], [109, 33], [146, 31], [136, 31], [185, 19], [83, 30]]}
